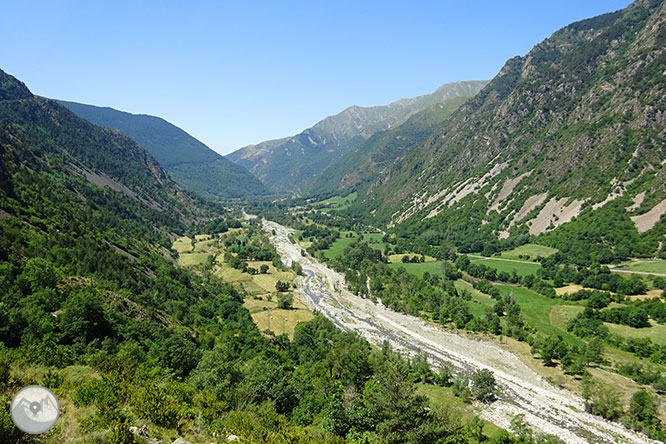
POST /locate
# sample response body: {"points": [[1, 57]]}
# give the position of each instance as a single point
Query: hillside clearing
{"points": [[522, 268], [532, 251]]}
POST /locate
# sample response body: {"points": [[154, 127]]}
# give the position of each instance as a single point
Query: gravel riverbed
{"points": [[547, 408]]}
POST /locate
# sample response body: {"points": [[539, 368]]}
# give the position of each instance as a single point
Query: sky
{"points": [[237, 73]]}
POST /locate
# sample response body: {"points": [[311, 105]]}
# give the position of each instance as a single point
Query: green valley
{"points": [[485, 264]]}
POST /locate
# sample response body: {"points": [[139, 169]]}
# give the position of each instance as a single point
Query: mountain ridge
{"points": [[559, 131], [190, 162], [290, 164]]}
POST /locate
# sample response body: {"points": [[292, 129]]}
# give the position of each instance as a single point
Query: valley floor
{"points": [[548, 408]]}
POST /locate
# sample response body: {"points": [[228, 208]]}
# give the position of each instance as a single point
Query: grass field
{"points": [[282, 321], [182, 244], [268, 281], [338, 247], [537, 310], [335, 203], [397, 258], [443, 398], [480, 301], [657, 332], [258, 283], [521, 268], [531, 250], [560, 315], [420, 268], [192, 259], [204, 245], [373, 239], [653, 266]]}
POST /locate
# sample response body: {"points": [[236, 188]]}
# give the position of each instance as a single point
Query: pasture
{"points": [[522, 268], [531, 251], [418, 269], [651, 266], [656, 332], [281, 321], [182, 244], [537, 310]]}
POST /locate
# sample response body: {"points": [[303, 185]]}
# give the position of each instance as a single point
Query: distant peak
{"points": [[11, 88]]}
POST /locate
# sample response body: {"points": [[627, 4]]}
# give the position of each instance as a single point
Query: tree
{"points": [[285, 301], [595, 351], [83, 319], [601, 400], [263, 269], [643, 407], [298, 269], [484, 386], [282, 286]]}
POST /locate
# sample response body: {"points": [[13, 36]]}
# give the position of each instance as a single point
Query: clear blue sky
{"points": [[235, 73]]}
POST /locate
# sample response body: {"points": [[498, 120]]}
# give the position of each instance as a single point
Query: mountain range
{"points": [[295, 164], [574, 127], [188, 161]]}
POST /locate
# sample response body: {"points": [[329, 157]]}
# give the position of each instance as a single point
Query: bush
{"points": [[8, 431], [484, 386], [120, 434], [152, 402], [285, 301], [282, 286]]}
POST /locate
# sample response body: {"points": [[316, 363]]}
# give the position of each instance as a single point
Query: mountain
{"points": [[45, 140], [369, 160], [573, 128], [137, 349], [189, 162], [292, 164]]}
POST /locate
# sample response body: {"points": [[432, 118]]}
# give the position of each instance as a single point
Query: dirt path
{"points": [[499, 259], [547, 408], [644, 273]]}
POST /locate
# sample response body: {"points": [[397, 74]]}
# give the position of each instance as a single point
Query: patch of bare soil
{"points": [[648, 220]]}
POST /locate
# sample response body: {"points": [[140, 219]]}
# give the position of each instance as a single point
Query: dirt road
{"points": [[547, 408]]}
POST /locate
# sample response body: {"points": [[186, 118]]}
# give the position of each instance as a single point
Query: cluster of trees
{"points": [[481, 271], [213, 227], [321, 237], [642, 414], [249, 245], [643, 375], [604, 236], [573, 358], [596, 276], [589, 324]]}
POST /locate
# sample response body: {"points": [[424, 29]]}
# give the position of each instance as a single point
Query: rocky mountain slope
{"points": [[369, 160], [189, 162], [573, 127], [291, 164], [43, 139]]}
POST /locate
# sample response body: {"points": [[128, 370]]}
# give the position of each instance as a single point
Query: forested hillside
{"points": [[368, 161], [575, 127], [94, 308], [296, 164], [190, 163]]}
